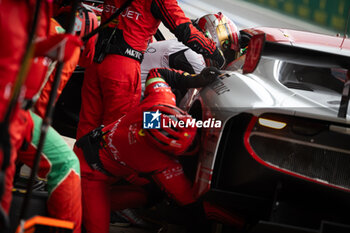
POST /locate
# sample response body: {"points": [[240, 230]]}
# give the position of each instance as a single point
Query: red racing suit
{"points": [[112, 88], [14, 35], [127, 150], [126, 154], [13, 42]]}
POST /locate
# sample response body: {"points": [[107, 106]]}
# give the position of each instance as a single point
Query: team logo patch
{"points": [[151, 120]]}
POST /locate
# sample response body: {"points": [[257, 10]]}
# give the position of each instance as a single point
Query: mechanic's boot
{"points": [[118, 220], [134, 219]]}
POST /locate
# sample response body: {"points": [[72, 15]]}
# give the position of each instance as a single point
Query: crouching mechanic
{"points": [[124, 148]]}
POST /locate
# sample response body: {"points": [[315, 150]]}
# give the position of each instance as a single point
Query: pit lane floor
{"points": [[115, 229], [167, 229]]}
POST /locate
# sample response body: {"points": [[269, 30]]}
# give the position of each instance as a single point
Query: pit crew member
{"points": [[123, 149]]}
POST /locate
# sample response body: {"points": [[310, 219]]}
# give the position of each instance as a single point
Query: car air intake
{"points": [[300, 86], [303, 148]]}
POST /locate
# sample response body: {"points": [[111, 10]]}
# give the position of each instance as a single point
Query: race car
{"points": [[280, 162]]}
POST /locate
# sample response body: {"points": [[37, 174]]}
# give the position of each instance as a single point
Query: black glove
{"points": [[218, 58], [183, 81], [207, 76]]}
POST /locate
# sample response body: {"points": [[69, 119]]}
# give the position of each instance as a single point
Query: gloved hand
{"points": [[207, 76], [49, 47], [218, 58]]}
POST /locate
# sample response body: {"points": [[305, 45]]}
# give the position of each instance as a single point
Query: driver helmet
{"points": [[175, 139], [223, 32]]}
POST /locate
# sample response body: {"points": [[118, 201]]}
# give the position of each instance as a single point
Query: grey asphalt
{"points": [[246, 14]]}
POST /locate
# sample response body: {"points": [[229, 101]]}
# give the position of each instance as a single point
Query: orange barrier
{"points": [[39, 224]]}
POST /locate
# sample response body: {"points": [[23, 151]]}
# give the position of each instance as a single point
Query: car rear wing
{"points": [[258, 47]]}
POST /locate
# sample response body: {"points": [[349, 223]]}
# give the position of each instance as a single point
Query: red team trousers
{"points": [[127, 154]]}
